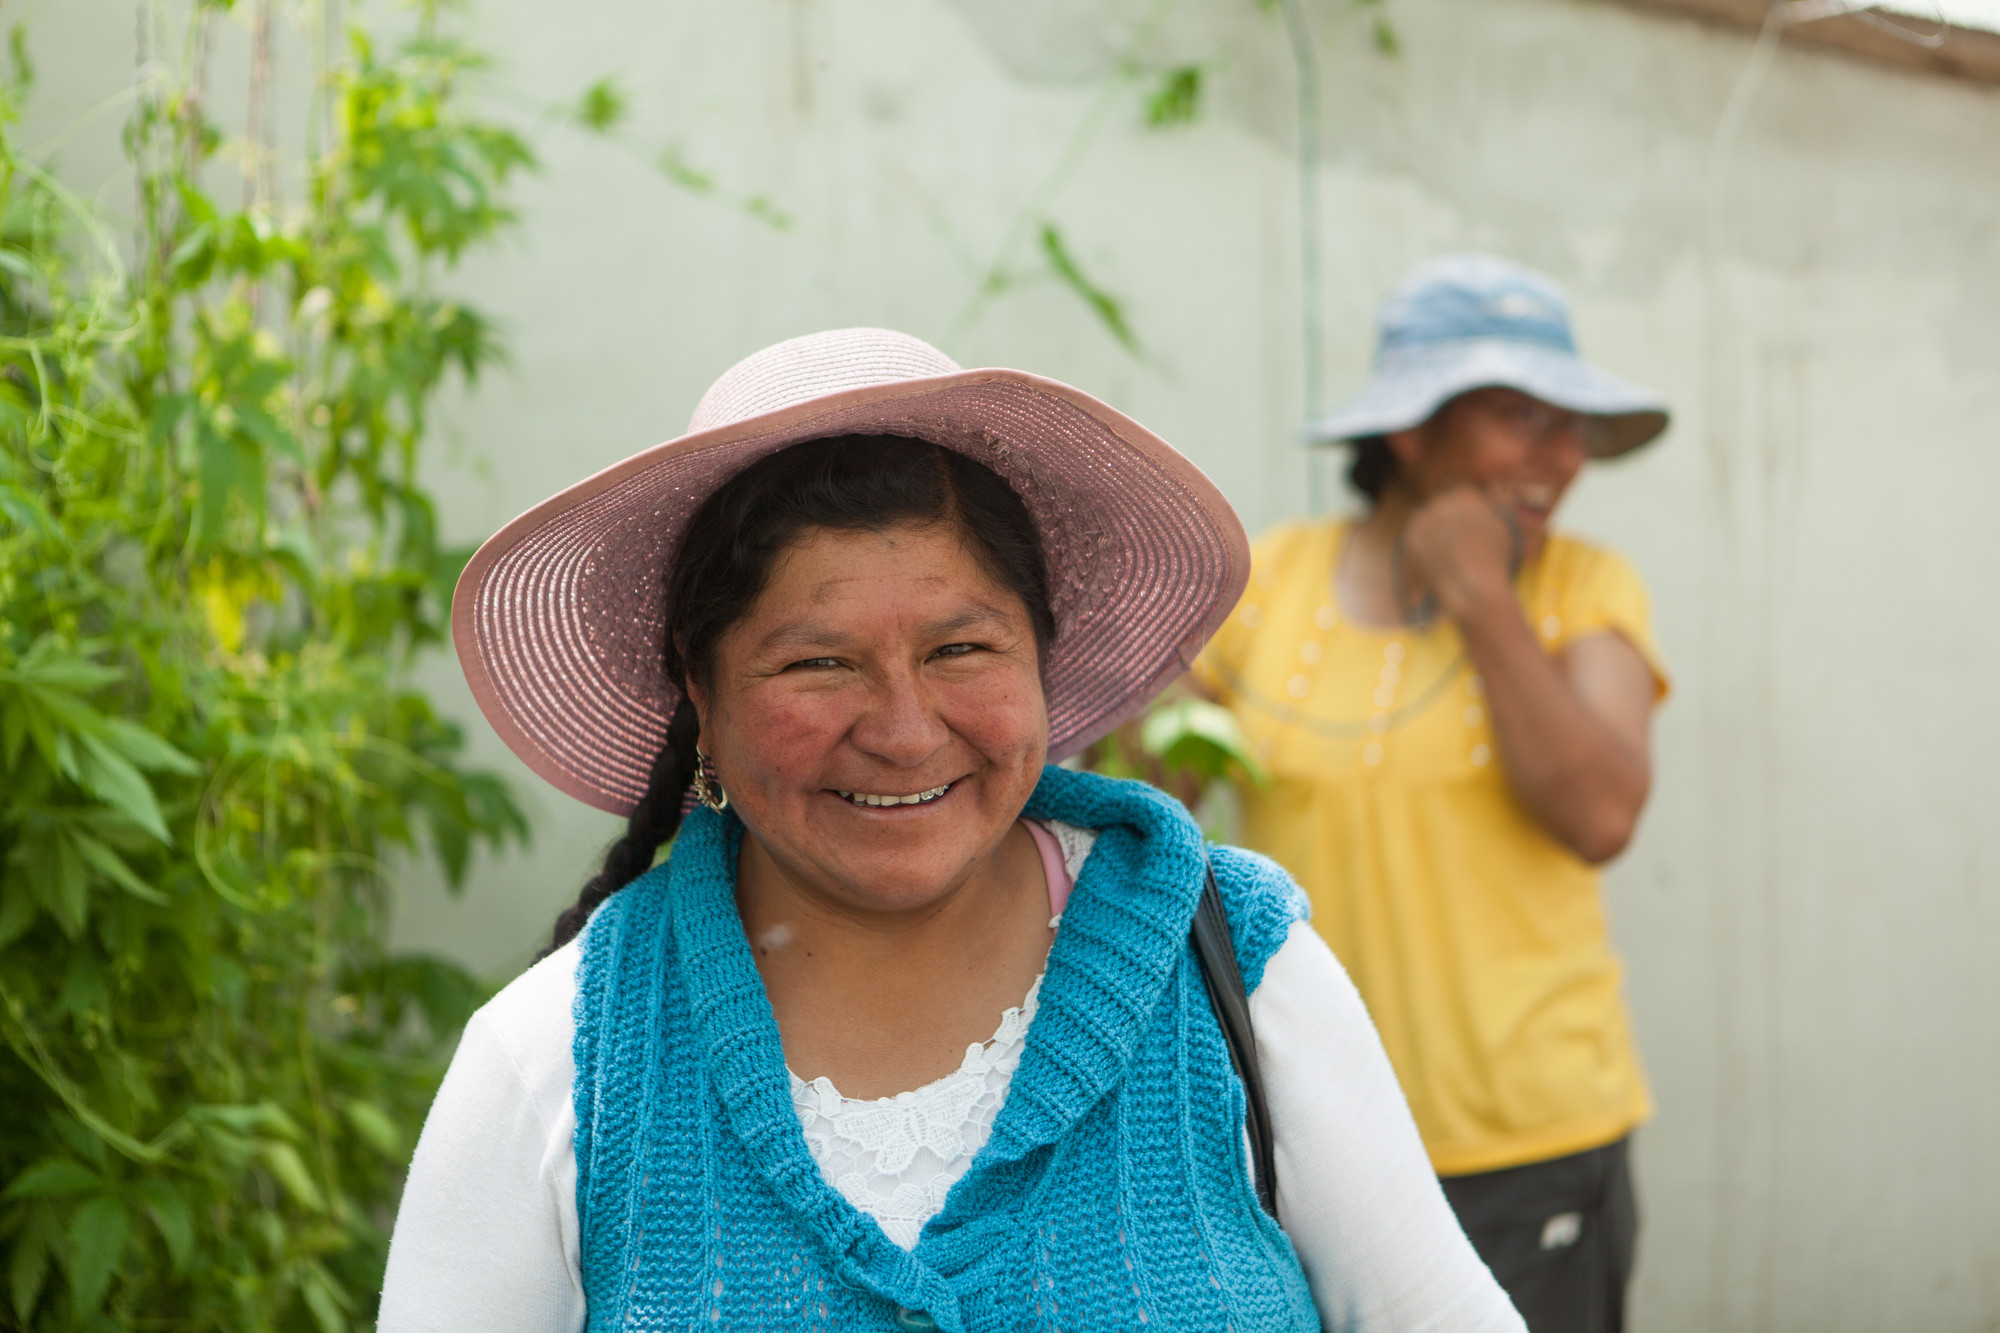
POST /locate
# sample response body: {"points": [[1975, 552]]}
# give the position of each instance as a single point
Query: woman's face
{"points": [[1521, 451], [878, 718]]}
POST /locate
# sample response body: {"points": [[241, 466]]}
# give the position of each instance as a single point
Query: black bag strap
{"points": [[1215, 951]]}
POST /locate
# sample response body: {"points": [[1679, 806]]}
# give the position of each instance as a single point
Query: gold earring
{"points": [[707, 786]]}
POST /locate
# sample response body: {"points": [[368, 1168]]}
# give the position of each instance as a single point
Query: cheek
{"points": [[782, 734], [1474, 454], [1003, 714]]}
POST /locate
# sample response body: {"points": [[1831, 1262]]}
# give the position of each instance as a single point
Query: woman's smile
{"points": [[885, 801]]}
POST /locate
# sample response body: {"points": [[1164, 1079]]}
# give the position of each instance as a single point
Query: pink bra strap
{"points": [[1054, 868]]}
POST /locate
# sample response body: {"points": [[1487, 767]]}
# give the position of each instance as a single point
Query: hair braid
{"points": [[654, 820]]}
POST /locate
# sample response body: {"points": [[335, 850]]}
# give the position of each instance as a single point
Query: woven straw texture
{"points": [[560, 618]]}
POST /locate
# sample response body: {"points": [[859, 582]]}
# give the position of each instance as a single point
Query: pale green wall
{"points": [[1812, 911]]}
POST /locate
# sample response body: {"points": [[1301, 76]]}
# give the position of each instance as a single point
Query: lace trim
{"points": [[896, 1158], [1075, 843]]}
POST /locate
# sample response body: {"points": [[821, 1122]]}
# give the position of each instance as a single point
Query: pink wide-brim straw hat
{"points": [[560, 619]]}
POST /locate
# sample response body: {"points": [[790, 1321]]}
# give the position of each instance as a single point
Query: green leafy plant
{"points": [[216, 562], [1185, 745], [1201, 738]]}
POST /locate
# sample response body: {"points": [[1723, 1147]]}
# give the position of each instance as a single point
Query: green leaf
{"points": [[28, 1269], [13, 734], [673, 164], [194, 258], [83, 994], [375, 1127], [52, 664], [326, 1300], [282, 1160], [98, 1231], [263, 1116], [145, 749], [54, 1178], [172, 1215], [62, 883], [17, 911], [766, 210], [110, 865], [1203, 737], [27, 512], [228, 470], [17, 50], [168, 409], [293, 548], [111, 778], [1177, 99], [258, 425], [603, 106]]}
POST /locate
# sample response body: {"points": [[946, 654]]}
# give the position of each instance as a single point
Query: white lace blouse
{"points": [[486, 1239], [897, 1157]]}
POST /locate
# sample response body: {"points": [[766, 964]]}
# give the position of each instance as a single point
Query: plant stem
{"points": [[997, 275]]}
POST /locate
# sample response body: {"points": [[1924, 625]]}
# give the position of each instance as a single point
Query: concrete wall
{"points": [[1812, 911]]}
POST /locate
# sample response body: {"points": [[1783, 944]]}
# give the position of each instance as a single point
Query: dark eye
{"points": [[814, 664], [957, 649]]}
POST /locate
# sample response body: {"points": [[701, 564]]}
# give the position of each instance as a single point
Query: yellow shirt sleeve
{"points": [[1596, 591]]}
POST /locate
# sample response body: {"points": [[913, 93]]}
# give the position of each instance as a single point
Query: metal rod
{"points": [[1312, 331]]}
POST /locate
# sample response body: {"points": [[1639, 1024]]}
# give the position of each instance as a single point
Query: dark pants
{"points": [[1558, 1235]]}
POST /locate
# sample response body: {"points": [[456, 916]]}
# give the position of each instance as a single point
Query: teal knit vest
{"points": [[1113, 1192]]}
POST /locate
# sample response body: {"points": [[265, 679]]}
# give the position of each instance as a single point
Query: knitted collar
{"points": [[1123, 934]]}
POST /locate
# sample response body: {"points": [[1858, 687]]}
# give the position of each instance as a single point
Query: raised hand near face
{"points": [[1461, 546]]}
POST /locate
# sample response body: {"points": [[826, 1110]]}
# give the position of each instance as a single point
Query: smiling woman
{"points": [[907, 1031], [1454, 704]]}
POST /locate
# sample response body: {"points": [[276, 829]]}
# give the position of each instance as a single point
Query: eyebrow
{"points": [[800, 634]]}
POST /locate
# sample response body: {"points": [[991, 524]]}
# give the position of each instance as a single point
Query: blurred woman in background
{"points": [[1453, 703]]}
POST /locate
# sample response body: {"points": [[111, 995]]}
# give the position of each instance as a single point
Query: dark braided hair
{"points": [[854, 483], [652, 822], [1373, 466]]}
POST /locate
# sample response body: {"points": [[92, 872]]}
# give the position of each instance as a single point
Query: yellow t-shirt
{"points": [[1476, 938]]}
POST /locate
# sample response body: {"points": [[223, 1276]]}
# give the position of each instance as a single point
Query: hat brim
{"points": [[560, 618], [1410, 386]]}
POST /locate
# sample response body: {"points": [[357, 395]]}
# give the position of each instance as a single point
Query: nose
{"points": [[901, 724]]}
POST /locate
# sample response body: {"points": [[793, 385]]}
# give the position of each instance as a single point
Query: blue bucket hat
{"points": [[1472, 321]]}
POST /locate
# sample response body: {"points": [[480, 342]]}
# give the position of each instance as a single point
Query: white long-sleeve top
{"points": [[486, 1240]]}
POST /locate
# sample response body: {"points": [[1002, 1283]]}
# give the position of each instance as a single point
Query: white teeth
{"points": [[870, 798]]}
